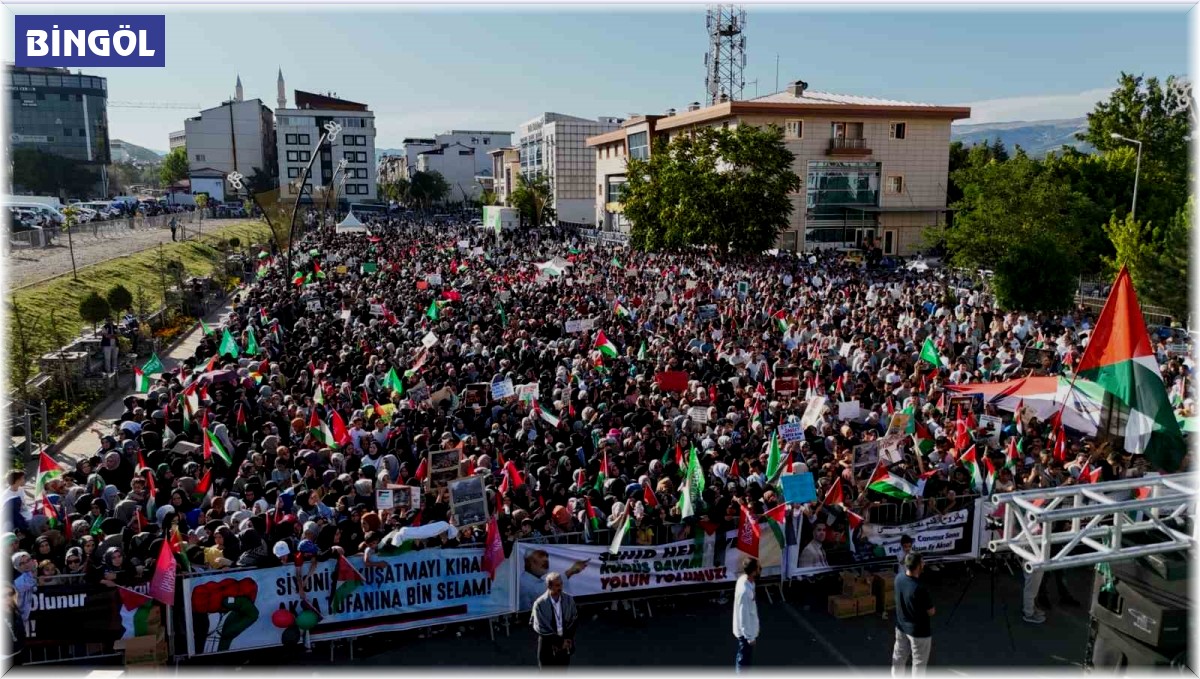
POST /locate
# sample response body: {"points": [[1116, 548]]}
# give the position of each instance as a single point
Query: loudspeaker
{"points": [[1114, 650], [1143, 606]]}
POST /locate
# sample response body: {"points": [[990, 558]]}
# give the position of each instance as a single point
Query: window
{"points": [[66, 131], [293, 156], [794, 129], [305, 156], [895, 184], [348, 155], [291, 139], [842, 130], [293, 172], [348, 140], [303, 139], [616, 191], [361, 156], [639, 145], [200, 157], [899, 130], [361, 173], [82, 132]]}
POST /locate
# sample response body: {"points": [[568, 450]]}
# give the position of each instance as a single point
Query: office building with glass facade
{"points": [[55, 111], [874, 171]]}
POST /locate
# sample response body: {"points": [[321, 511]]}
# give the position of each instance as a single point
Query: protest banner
{"points": [[590, 571], [954, 536], [528, 392], [230, 612], [376, 309], [503, 389], [813, 412], [791, 432], [468, 501], [80, 612]]}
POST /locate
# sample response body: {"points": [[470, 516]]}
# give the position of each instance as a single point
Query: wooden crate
{"points": [[864, 605]]}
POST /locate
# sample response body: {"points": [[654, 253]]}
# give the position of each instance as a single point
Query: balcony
{"points": [[840, 146]]}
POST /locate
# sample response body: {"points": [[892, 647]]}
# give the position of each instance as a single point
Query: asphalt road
{"points": [[694, 631]]}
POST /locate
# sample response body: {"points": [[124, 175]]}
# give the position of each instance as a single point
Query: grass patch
{"points": [[63, 294]]}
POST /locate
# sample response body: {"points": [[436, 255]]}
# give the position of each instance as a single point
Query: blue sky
{"points": [[424, 71]]}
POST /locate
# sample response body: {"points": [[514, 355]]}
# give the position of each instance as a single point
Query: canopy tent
{"points": [[351, 225], [1044, 396]]}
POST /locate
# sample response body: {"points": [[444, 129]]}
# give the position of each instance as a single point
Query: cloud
{"points": [[1035, 107]]}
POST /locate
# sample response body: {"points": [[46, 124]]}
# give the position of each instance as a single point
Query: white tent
{"points": [[351, 225]]}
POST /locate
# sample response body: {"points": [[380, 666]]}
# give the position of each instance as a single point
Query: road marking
{"points": [[808, 627]]}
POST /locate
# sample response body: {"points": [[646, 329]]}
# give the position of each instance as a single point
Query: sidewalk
{"points": [[87, 441]]}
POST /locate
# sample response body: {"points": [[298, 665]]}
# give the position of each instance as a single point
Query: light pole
{"points": [[236, 180], [1137, 170], [332, 188], [332, 129]]}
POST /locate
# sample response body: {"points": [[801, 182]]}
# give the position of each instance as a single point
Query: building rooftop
{"points": [[325, 102], [812, 97]]}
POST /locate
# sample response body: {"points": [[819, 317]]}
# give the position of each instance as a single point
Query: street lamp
{"points": [[332, 129], [1137, 170], [331, 190]]}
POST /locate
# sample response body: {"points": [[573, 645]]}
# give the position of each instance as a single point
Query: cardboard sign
{"points": [[314, 305], [992, 424], [966, 403], [478, 393], [376, 309], [813, 412], [503, 389], [444, 466], [791, 432], [429, 339], [706, 312], [579, 325], [698, 414], [384, 499], [866, 455], [528, 392], [798, 488], [849, 410], [468, 501], [899, 423]]}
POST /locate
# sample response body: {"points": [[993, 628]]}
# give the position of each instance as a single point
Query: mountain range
{"points": [[1037, 137], [139, 154]]}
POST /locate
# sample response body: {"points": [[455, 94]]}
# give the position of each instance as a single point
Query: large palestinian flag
{"points": [[1120, 359]]}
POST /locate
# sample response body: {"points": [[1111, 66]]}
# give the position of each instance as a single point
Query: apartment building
{"points": [[555, 145], [873, 170], [506, 165], [298, 129], [613, 149], [239, 134]]}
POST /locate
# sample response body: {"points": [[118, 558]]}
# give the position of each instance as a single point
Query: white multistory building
{"points": [[555, 145], [298, 129]]}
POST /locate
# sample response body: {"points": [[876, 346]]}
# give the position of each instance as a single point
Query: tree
{"points": [[489, 198], [71, 213], [260, 181], [428, 188], [93, 309], [174, 166], [1157, 257], [24, 346], [1032, 274], [726, 188], [48, 174], [531, 196], [119, 298]]}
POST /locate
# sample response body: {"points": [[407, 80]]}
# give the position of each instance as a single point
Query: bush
{"points": [[235, 242], [93, 309], [119, 298]]}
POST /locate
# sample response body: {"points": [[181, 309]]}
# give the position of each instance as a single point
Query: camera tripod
{"points": [[989, 562]]}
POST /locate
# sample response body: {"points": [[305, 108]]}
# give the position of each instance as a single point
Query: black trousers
{"points": [[551, 652]]}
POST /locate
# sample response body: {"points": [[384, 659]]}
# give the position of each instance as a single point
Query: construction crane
{"points": [[152, 104]]}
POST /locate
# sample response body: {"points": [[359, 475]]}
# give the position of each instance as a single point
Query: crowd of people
{"points": [[336, 345]]}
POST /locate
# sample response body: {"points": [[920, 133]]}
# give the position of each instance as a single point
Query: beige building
{"points": [[874, 170], [506, 165]]}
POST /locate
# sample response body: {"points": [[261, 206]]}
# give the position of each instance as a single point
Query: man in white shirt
{"points": [[745, 615]]}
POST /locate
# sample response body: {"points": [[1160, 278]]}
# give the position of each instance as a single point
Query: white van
{"points": [[45, 210]]}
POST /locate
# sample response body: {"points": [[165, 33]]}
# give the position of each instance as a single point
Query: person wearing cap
{"points": [[914, 611]]}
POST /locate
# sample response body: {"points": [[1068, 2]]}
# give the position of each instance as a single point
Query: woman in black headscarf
{"points": [[254, 551], [115, 571], [327, 547]]}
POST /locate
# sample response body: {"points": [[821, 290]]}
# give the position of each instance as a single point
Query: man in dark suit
{"points": [[554, 618]]}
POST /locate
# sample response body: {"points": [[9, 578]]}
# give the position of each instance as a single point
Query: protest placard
{"points": [[891, 448], [464, 244], [1038, 359], [429, 339], [866, 456], [468, 501], [433, 278], [791, 431], [698, 414], [849, 410], [384, 499], [479, 393], [444, 466], [419, 394], [899, 423], [964, 403], [992, 424], [813, 412], [402, 497], [706, 312], [342, 269], [528, 392], [314, 305], [369, 267], [798, 488], [376, 309], [503, 389]]}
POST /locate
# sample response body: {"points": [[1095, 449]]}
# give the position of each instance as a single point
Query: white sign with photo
{"points": [[429, 339], [503, 389], [813, 412]]}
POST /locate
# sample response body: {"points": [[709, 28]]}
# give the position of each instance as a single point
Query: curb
{"points": [[71, 434]]}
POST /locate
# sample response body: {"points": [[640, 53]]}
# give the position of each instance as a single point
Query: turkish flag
{"points": [[748, 533]]}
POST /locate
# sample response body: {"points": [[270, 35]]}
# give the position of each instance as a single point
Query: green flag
{"points": [[774, 458], [503, 316], [229, 346], [393, 382], [153, 366], [642, 351], [251, 343], [930, 355], [204, 326], [432, 312]]}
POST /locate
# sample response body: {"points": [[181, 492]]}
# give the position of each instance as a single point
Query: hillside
{"points": [[1037, 137], [139, 154]]}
